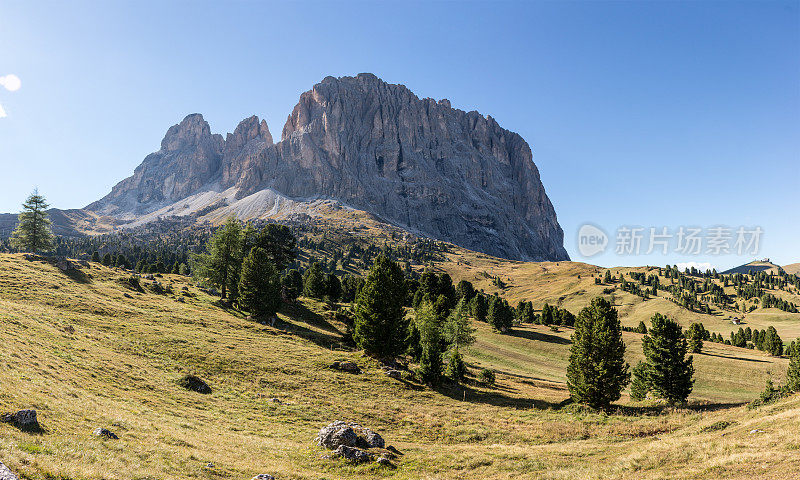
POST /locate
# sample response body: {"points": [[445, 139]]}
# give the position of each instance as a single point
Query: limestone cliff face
{"points": [[189, 158], [418, 163]]}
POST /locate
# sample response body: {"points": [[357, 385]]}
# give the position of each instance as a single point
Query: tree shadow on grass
{"points": [[732, 357], [542, 337], [465, 392], [633, 411], [330, 337], [76, 275]]}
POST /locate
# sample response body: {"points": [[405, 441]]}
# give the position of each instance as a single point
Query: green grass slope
{"points": [[85, 355]]}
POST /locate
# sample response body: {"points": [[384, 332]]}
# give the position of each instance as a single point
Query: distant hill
{"points": [[756, 266], [792, 268]]}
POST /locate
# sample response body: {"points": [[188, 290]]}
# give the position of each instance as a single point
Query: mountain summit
{"points": [[417, 163]]}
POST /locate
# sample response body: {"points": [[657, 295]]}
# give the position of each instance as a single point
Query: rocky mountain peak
{"points": [[248, 129], [418, 163], [192, 130]]}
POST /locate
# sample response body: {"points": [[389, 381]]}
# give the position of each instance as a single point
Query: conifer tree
{"points": [[772, 343], [33, 233], [292, 284], [668, 370], [379, 326], [279, 243], [793, 373], [478, 307], [695, 336], [219, 264], [499, 314], [428, 324], [107, 260], [640, 383], [458, 332], [314, 285], [333, 287], [96, 257], [597, 372], [465, 290], [259, 284]]}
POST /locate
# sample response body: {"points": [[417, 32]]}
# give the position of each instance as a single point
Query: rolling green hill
{"points": [[87, 351]]}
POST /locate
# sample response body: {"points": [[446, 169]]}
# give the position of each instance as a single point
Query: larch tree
{"points": [[33, 232]]}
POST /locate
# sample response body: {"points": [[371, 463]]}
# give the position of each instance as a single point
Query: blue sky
{"points": [[638, 113]]}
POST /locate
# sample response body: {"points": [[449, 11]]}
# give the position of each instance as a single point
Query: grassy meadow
{"points": [[87, 351]]}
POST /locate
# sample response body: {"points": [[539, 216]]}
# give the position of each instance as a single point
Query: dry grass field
{"points": [[86, 351], [571, 285]]}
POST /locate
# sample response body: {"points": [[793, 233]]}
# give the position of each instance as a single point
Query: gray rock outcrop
{"points": [[105, 433], [6, 474], [23, 419]]}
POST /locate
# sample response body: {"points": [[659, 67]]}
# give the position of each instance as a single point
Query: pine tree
{"points": [[640, 383], [465, 290], [668, 370], [428, 324], [334, 287], [259, 284], [292, 284], [220, 263], [642, 328], [478, 307], [279, 243], [499, 314], [314, 285], [597, 372], [695, 336], [772, 343], [33, 233], [379, 326], [183, 269], [793, 373], [607, 277], [457, 333], [106, 260]]}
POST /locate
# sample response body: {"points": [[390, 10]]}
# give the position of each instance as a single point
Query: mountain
{"points": [[369, 145]]}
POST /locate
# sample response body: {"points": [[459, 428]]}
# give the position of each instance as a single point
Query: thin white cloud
{"points": [[11, 82], [700, 266], [2, 112]]}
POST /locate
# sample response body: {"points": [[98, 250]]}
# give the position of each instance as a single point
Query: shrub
{"points": [[486, 376], [770, 394], [716, 426], [456, 368]]}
